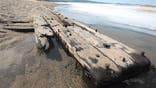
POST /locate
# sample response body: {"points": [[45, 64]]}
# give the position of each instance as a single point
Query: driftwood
{"points": [[105, 60], [19, 27], [42, 32]]}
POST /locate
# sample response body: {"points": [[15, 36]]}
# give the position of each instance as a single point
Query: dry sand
{"points": [[23, 66]]}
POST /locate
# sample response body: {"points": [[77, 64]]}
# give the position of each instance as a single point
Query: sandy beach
{"points": [[23, 66]]}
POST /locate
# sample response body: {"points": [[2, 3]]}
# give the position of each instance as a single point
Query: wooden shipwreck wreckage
{"points": [[104, 59]]}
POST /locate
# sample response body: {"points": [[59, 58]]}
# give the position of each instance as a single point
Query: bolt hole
{"points": [[96, 30], [124, 59], [108, 46], [142, 53], [107, 66], [97, 55]]}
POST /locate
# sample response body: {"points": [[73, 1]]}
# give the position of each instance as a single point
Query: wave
{"points": [[136, 16], [132, 2]]}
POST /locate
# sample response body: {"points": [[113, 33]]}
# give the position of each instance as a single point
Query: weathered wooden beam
{"points": [[42, 32], [20, 21], [105, 59], [20, 28], [19, 24], [90, 49]]}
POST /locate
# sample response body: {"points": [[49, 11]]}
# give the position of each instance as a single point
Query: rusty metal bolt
{"points": [[97, 55], [124, 59], [108, 46], [70, 34], [95, 30], [66, 18], [142, 53], [58, 30], [107, 66]]}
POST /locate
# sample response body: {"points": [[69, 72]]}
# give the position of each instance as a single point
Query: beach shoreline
{"points": [[23, 66], [134, 39]]}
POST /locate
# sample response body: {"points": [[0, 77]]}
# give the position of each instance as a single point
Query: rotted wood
{"points": [[43, 32], [20, 27], [103, 57]]}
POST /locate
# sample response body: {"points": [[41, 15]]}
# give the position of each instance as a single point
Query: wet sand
{"points": [[140, 42], [22, 66]]}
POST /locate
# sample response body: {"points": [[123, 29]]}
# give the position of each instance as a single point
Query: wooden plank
{"points": [[89, 51], [19, 24], [103, 57], [42, 32]]}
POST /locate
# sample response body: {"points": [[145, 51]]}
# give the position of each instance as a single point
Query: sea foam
{"points": [[136, 16]]}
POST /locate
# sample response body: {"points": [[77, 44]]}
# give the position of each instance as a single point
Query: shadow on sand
{"points": [[144, 80], [54, 53]]}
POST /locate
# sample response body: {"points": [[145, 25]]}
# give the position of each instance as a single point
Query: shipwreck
{"points": [[104, 59]]}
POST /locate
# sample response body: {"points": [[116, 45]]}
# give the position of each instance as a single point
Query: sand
{"points": [[23, 66]]}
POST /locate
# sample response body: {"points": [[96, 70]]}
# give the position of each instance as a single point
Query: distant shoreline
{"points": [[141, 13], [102, 3]]}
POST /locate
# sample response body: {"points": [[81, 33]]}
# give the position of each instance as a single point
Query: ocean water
{"points": [[129, 17], [132, 2], [132, 25]]}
